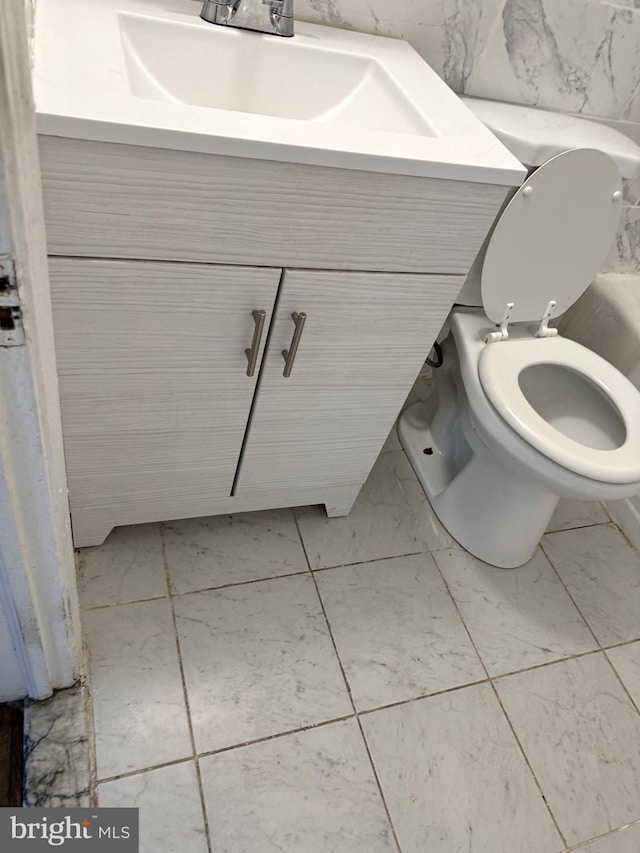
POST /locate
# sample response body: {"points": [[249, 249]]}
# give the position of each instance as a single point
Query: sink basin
{"points": [[314, 83], [152, 73]]}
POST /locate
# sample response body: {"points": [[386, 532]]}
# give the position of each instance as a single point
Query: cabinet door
{"points": [[316, 433], [155, 396]]}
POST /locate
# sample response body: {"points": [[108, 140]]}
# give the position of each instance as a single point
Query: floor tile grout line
{"points": [[528, 763], [374, 560], [601, 648], [175, 594], [358, 721], [496, 677], [366, 711], [211, 752], [348, 688], [619, 677], [575, 848], [632, 545], [609, 523], [577, 527], [566, 589], [95, 607], [499, 700], [203, 807], [621, 644], [305, 571], [326, 619], [499, 676], [378, 783], [266, 738], [161, 766]]}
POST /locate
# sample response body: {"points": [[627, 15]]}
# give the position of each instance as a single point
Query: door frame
{"points": [[39, 613]]}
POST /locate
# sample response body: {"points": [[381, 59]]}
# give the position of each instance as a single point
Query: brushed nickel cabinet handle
{"points": [[290, 354], [252, 352]]}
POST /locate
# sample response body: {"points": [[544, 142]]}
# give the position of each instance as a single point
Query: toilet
{"points": [[521, 416]]}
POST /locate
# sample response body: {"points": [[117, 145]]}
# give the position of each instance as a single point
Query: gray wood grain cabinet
{"points": [[153, 383], [154, 294]]}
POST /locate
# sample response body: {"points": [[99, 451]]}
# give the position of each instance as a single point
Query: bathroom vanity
{"points": [[242, 302]]}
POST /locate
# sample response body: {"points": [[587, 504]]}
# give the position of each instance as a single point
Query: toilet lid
{"points": [[553, 237]]}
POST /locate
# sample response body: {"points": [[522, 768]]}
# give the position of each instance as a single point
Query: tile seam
{"points": [[348, 689], [205, 817], [504, 712]]}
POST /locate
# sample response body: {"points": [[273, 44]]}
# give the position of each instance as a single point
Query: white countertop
{"points": [[82, 91]]}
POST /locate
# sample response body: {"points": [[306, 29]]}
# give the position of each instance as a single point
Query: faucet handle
{"points": [[219, 11], [281, 15]]}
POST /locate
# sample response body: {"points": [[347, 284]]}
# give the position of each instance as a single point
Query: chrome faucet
{"points": [[277, 19]]}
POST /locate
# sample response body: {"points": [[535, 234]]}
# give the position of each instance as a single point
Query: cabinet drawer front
{"points": [[364, 341], [154, 392], [204, 207]]}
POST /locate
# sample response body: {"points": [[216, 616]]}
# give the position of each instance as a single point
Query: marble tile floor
{"points": [[58, 750], [285, 682]]}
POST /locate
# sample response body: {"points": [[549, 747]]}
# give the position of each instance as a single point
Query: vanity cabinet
{"points": [[159, 260]]}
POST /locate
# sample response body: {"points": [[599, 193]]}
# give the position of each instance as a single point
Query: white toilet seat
{"points": [[500, 366]]}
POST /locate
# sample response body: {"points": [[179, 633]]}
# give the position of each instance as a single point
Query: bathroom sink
{"points": [[152, 73], [228, 69]]}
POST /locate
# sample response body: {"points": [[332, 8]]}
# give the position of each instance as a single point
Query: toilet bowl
{"points": [[521, 416]]}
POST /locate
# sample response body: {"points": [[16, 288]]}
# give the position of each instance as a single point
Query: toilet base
{"points": [[496, 513]]}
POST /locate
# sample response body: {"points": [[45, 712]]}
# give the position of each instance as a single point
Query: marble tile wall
{"points": [[578, 56]]}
